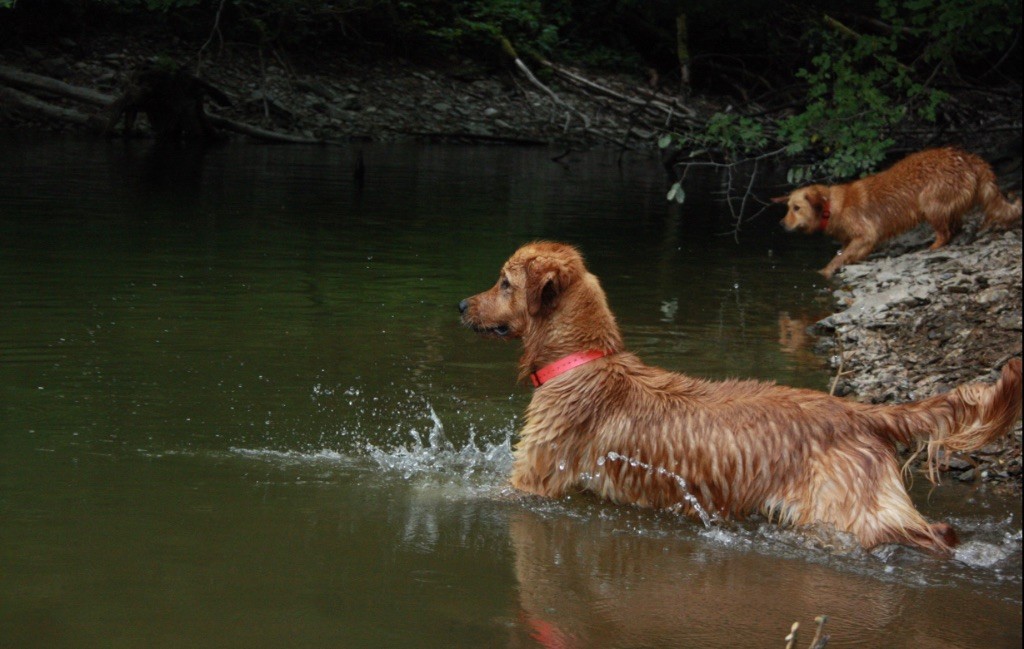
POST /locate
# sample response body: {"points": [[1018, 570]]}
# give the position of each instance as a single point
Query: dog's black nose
{"points": [[463, 305]]}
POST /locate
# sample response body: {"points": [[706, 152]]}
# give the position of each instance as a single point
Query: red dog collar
{"points": [[826, 213], [563, 365]]}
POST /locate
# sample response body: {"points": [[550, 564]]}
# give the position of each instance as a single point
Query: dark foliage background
{"points": [[830, 82]]}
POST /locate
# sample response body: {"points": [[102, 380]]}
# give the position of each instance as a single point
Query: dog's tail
{"points": [[963, 419], [998, 211]]}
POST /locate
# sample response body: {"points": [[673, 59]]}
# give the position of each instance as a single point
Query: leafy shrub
{"points": [[862, 88]]}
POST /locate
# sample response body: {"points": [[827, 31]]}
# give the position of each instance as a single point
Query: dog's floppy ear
{"points": [[546, 280], [816, 199], [780, 199]]}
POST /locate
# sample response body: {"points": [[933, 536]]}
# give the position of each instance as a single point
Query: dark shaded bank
{"points": [[383, 99]]}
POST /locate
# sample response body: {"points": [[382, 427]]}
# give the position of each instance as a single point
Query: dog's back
{"points": [[938, 186]]}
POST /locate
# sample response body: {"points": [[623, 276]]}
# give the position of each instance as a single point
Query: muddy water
{"points": [[237, 410]]}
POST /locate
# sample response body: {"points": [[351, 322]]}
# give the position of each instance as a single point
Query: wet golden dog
{"points": [[937, 186], [602, 421]]}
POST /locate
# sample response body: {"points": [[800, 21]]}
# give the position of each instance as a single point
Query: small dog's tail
{"points": [[963, 419], [999, 212]]}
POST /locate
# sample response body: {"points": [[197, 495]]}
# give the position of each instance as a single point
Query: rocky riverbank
{"points": [[913, 322]]}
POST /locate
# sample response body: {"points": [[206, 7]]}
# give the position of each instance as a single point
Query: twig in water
{"points": [[820, 639], [791, 638]]}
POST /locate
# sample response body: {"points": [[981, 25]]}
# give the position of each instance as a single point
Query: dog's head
{"points": [[528, 289], [806, 208]]}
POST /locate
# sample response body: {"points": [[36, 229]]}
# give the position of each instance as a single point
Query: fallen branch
{"points": [[19, 79], [518, 62], [55, 87], [478, 137], [27, 102], [636, 101], [272, 137]]}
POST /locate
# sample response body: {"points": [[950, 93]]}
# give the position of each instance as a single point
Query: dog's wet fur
{"points": [[631, 433]]}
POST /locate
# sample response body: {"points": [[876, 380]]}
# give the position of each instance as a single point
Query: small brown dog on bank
{"points": [[601, 421], [937, 186]]}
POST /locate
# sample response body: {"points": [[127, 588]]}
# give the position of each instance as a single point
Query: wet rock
{"points": [[317, 88], [967, 476]]}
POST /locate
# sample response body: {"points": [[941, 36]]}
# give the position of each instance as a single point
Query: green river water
{"points": [[237, 409]]}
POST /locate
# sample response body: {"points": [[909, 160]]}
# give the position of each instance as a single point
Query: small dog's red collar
{"points": [[826, 214], [564, 364]]}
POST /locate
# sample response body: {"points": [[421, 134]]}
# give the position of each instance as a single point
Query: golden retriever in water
{"points": [[602, 421], [937, 186]]}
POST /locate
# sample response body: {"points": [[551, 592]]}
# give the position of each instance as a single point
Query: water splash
{"points": [[690, 499], [489, 463]]}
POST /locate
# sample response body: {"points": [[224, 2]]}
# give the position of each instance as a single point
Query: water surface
{"points": [[237, 410]]}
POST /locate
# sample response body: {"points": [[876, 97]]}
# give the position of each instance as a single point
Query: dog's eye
{"points": [[796, 208], [505, 284]]}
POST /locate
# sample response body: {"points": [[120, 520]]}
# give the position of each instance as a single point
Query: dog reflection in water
{"points": [[602, 421], [588, 583]]}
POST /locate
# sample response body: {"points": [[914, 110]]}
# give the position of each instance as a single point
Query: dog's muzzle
{"points": [[499, 330]]}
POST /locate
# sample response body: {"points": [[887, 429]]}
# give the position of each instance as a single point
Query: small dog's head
{"points": [[806, 208], [529, 288]]}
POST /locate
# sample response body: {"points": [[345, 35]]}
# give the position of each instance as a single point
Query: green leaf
{"points": [[676, 193]]}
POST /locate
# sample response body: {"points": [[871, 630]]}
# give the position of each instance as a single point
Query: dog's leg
{"points": [[882, 514], [942, 237], [853, 252], [534, 470], [946, 223]]}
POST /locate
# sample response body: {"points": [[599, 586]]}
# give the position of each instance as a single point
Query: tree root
{"points": [[26, 91]]}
